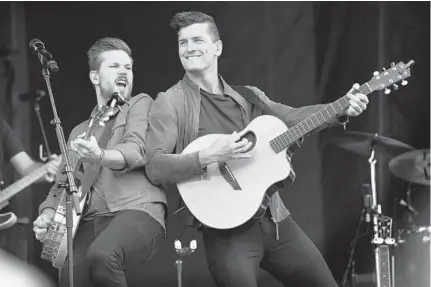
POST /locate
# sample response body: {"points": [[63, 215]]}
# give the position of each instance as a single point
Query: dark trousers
{"points": [[234, 256], [107, 248]]}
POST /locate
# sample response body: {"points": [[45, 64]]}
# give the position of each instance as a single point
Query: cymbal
{"points": [[412, 166], [362, 143]]}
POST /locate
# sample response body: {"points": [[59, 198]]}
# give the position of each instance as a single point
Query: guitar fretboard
{"points": [[314, 121]]}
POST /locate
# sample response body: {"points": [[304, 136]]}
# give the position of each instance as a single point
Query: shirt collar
{"points": [[227, 89], [96, 108]]}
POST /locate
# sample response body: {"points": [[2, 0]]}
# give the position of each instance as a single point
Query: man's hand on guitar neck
{"points": [[226, 147], [358, 102], [42, 222]]}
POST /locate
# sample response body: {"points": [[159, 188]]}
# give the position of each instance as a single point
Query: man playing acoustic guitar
{"points": [[203, 103]]}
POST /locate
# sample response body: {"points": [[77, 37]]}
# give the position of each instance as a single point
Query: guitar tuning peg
{"points": [[384, 69], [395, 87], [376, 73], [392, 64], [404, 82], [387, 91]]}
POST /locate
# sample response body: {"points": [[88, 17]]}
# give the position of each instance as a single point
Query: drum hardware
{"points": [[369, 144]]}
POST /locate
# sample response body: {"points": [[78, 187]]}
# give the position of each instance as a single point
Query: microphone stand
{"points": [[70, 187], [375, 207], [179, 265], [182, 252]]}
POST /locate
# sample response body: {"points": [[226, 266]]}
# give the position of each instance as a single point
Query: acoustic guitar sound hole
{"points": [[251, 137]]}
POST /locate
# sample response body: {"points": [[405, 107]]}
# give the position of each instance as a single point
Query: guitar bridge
{"points": [[228, 175]]}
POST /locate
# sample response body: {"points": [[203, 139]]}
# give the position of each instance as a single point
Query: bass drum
{"points": [[412, 258]]}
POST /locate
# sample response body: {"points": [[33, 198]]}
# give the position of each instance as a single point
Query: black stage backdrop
{"points": [[299, 54]]}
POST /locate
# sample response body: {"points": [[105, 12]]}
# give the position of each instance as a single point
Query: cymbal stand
{"points": [[382, 240], [409, 203], [375, 208]]}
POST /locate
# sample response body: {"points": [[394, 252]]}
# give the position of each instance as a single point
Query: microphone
{"points": [[410, 208], [32, 96], [183, 251], [45, 58], [367, 201]]}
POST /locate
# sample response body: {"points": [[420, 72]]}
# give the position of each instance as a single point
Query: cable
{"points": [[352, 251]]}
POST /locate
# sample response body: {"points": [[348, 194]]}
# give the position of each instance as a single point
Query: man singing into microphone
{"points": [[124, 218]]}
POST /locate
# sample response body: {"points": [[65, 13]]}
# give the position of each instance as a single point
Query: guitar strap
{"points": [[92, 170], [250, 96]]}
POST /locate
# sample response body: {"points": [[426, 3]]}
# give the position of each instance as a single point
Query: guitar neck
{"points": [[24, 182], [74, 161], [315, 121]]}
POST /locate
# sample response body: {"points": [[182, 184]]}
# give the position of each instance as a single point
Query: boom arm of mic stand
{"points": [[71, 189]]}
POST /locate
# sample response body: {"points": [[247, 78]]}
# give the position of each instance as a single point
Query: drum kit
{"points": [[403, 258]]}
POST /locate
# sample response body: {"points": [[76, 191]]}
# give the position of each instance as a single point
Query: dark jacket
{"points": [[174, 123], [129, 187]]}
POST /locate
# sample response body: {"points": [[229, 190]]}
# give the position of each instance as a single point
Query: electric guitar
{"points": [[8, 219], [230, 193], [55, 243]]}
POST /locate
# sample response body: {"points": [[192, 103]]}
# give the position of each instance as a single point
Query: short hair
{"points": [[185, 19], [104, 45]]}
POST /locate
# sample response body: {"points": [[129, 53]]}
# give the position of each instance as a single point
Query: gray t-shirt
{"points": [[220, 114]]}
